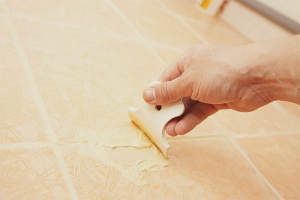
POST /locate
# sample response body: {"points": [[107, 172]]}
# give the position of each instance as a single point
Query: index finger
{"points": [[174, 70]]}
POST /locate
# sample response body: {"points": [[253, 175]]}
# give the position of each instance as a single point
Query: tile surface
{"points": [[97, 15], [168, 55], [31, 174], [198, 169], [89, 61], [217, 32], [212, 29], [20, 120], [287, 107], [86, 80], [157, 24], [187, 8], [270, 119], [278, 159]]}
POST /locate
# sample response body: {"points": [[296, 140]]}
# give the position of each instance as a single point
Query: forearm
{"points": [[273, 69]]}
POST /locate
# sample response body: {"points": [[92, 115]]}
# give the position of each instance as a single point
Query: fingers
{"points": [[175, 69], [170, 127], [173, 87], [171, 72], [191, 119], [188, 104], [167, 92], [220, 106]]}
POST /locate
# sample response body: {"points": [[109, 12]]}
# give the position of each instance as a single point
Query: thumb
{"points": [[166, 92]]}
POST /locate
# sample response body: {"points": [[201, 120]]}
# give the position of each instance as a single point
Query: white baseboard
{"points": [[251, 23]]}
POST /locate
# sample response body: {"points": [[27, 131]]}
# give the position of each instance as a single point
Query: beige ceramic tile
{"points": [[169, 55], [86, 80], [97, 15], [152, 3], [269, 119], [31, 174], [212, 29], [217, 32], [20, 120], [278, 159], [200, 169], [187, 8], [210, 126], [291, 108], [157, 25]]}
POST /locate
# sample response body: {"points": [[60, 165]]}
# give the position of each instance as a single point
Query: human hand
{"points": [[213, 77]]}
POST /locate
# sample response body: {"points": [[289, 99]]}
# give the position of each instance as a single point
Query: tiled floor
{"points": [[69, 72]]}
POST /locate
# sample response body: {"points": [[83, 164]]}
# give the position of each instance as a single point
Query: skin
{"points": [[209, 78]]}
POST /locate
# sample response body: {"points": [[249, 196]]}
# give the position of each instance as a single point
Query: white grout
{"points": [[49, 129], [29, 145], [255, 168], [29, 75], [166, 10], [25, 145], [265, 134], [179, 18], [31, 18], [135, 29]]}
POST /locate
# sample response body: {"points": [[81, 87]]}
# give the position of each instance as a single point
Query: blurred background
{"points": [[250, 17]]}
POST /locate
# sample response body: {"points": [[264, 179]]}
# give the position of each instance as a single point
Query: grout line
{"points": [[33, 18], [266, 134], [169, 139], [136, 30], [255, 168], [201, 137], [65, 172], [230, 136], [50, 132], [124, 18], [73, 26], [29, 145], [179, 18], [166, 9], [28, 73]]}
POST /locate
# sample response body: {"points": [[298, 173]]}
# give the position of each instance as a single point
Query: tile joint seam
{"points": [[41, 106], [255, 168], [136, 30], [34, 89], [71, 26], [182, 21], [167, 10], [25, 145]]}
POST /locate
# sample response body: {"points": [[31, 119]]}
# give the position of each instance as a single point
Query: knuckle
{"points": [[196, 92], [194, 119], [165, 92]]}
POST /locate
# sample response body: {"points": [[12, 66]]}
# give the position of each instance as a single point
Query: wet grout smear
{"points": [[131, 144]]}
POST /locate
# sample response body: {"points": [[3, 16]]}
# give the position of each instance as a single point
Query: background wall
{"points": [[288, 8]]}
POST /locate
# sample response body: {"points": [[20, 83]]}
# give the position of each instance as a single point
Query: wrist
{"points": [[272, 69]]}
